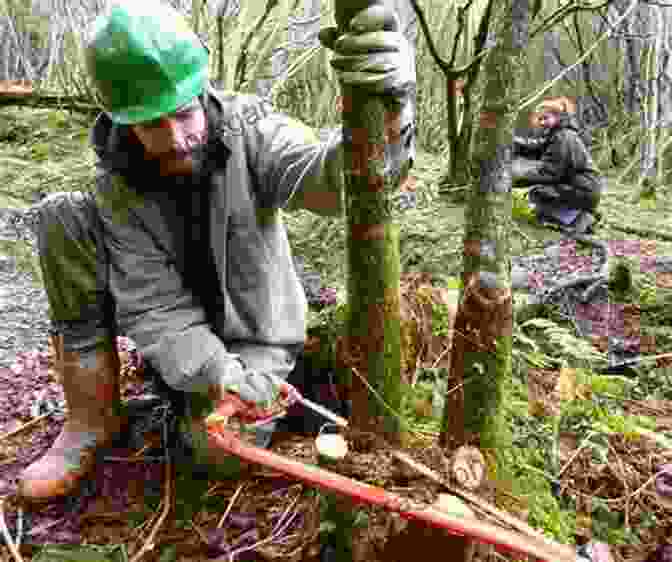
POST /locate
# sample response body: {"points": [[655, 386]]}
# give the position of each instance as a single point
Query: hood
{"points": [[568, 121], [119, 151]]}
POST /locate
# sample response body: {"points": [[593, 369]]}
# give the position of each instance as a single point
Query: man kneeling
{"points": [[182, 246]]}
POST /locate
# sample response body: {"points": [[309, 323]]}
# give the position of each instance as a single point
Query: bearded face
{"points": [[176, 140]]}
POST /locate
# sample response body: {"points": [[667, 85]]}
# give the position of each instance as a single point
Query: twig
{"points": [[26, 425], [640, 359], [5, 533], [212, 489], [446, 349], [625, 485], [138, 453], [283, 523], [113, 516], [231, 502], [467, 496], [642, 232], [134, 459], [622, 498], [199, 532], [147, 522], [576, 453], [590, 291], [168, 490], [241, 63], [19, 528], [41, 528]]}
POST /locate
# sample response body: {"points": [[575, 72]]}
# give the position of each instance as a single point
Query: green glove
{"points": [[372, 54], [257, 388]]}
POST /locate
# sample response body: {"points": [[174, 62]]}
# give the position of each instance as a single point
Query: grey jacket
{"points": [[560, 156], [260, 161]]}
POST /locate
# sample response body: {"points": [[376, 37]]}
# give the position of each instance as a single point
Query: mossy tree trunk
{"points": [[196, 9], [481, 356], [373, 343], [461, 139]]}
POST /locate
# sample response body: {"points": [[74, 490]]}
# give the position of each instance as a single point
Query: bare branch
{"points": [[242, 57], [565, 11], [442, 64]]}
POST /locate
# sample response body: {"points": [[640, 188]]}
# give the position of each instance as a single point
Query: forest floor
{"points": [[587, 446]]}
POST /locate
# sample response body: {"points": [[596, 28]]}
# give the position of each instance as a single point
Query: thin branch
{"points": [[167, 500], [228, 507], [19, 528], [5, 533], [242, 57], [280, 527], [565, 11], [26, 425], [472, 499], [461, 16], [533, 97], [442, 64]]}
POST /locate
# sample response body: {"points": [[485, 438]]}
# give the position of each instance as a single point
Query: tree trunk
{"points": [[481, 356], [462, 146], [373, 343], [196, 9], [665, 80], [220, 49], [650, 119], [626, 42]]}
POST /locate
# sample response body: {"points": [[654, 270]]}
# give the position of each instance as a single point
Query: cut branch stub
{"points": [[468, 468]]}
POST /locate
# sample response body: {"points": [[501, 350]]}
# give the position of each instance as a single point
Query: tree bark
{"points": [[481, 353], [373, 342], [653, 23], [462, 138]]}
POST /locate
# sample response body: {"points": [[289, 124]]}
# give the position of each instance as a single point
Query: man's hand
{"points": [[372, 54], [256, 398]]}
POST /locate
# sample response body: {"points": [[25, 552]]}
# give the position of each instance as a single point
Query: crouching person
{"points": [[182, 245], [565, 185]]}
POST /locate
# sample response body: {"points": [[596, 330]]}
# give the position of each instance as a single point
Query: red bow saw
{"points": [[502, 539]]}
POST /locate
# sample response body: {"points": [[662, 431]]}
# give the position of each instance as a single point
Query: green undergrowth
{"points": [[42, 151]]}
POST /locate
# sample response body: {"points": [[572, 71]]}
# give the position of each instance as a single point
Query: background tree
{"points": [[481, 355]]}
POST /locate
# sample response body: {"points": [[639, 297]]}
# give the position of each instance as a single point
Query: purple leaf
{"points": [[245, 556], [247, 538], [66, 537], [217, 544], [664, 481], [662, 554], [45, 526], [243, 521]]}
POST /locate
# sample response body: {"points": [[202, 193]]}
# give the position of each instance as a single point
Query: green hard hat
{"points": [[144, 60]]}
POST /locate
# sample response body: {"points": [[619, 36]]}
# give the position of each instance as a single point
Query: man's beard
{"points": [[188, 162]]}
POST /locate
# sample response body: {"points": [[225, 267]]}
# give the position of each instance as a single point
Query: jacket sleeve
{"points": [[294, 167], [555, 163], [152, 305], [528, 146]]}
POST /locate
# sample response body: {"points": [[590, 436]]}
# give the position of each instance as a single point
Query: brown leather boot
{"points": [[93, 420]]}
